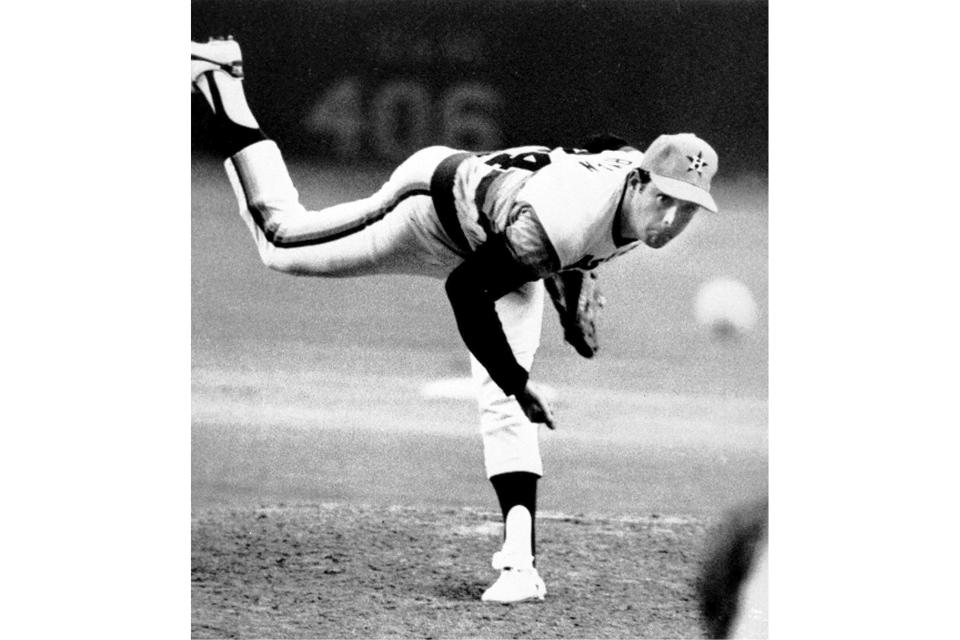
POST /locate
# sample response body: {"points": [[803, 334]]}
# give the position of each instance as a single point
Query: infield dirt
{"points": [[344, 571]]}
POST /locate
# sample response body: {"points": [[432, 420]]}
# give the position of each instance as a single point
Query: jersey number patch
{"points": [[531, 161]]}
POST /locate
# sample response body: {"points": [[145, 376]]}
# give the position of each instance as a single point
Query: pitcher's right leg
{"points": [[343, 240], [371, 235]]}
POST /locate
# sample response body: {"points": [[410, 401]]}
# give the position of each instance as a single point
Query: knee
{"points": [[281, 261], [275, 261], [512, 448]]}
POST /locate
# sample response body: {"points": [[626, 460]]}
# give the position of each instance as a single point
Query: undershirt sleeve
{"points": [[473, 289]]}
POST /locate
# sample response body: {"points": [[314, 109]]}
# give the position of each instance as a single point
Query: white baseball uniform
{"points": [[491, 224]]}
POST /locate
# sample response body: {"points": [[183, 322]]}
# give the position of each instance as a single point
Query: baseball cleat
{"points": [[516, 585], [218, 54], [518, 580]]}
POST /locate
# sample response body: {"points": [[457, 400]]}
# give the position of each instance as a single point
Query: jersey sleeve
{"points": [[473, 289], [529, 244]]}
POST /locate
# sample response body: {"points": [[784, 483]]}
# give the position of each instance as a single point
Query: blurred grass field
{"points": [[306, 392]]}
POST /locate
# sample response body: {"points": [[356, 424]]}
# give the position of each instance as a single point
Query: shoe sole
{"points": [[533, 598], [234, 68], [530, 600]]}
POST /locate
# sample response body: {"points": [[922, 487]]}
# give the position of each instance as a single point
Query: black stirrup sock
{"points": [[518, 488]]}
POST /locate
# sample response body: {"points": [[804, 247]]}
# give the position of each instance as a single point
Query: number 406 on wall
{"points": [[403, 117]]}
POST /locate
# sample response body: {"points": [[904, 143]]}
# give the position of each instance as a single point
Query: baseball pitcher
{"points": [[493, 226]]}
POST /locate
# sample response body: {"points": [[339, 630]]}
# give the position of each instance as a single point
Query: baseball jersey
{"points": [[573, 197], [519, 215], [576, 199]]}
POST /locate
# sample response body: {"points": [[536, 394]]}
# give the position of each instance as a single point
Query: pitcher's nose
{"points": [[668, 215]]}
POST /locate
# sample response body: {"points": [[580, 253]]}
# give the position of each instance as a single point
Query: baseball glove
{"points": [[578, 301]]}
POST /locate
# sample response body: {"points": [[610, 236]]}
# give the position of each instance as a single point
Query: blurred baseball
{"points": [[726, 308]]}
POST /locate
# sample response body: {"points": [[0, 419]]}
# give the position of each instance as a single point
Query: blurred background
{"points": [[372, 81], [310, 389]]}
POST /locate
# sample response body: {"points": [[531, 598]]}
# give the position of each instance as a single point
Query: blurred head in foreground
{"points": [[732, 588]]}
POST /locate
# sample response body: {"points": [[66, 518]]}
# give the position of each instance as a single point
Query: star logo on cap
{"points": [[697, 164]]}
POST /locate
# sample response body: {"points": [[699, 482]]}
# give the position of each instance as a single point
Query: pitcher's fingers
{"points": [[548, 419]]}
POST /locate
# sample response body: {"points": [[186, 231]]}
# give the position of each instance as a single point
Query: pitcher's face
{"points": [[650, 215]]}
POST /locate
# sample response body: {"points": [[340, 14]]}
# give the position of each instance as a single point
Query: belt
{"points": [[441, 190]]}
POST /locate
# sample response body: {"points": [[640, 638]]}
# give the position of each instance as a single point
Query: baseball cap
{"points": [[682, 165]]}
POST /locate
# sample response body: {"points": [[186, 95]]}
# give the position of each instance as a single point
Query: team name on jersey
{"points": [[576, 197]]}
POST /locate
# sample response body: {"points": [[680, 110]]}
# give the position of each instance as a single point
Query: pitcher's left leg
{"points": [[511, 451]]}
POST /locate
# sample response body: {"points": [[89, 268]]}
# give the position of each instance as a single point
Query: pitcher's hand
{"points": [[534, 404]]}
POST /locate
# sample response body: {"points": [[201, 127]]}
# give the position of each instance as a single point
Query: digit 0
{"points": [[468, 117], [400, 114]]}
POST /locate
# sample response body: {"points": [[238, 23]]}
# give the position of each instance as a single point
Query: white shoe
{"points": [[518, 580], [218, 54]]}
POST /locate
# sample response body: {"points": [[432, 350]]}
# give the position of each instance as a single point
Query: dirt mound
{"points": [[348, 571]]}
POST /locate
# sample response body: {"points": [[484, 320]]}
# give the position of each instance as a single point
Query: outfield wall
{"points": [[352, 81]]}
